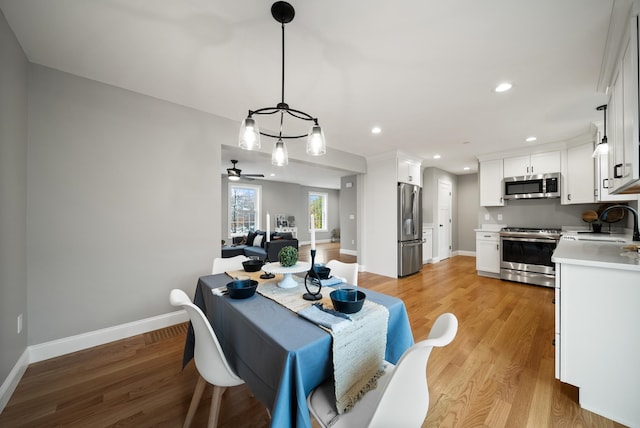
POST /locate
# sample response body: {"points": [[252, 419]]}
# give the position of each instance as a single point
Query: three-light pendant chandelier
{"points": [[250, 133]]}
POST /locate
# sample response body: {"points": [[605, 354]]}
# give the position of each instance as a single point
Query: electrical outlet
{"points": [[19, 323], [487, 217], [499, 217], [353, 242]]}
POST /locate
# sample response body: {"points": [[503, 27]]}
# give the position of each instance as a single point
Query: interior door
{"points": [[444, 219]]}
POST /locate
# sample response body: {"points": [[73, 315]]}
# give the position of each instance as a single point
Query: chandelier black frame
{"points": [[249, 138]]}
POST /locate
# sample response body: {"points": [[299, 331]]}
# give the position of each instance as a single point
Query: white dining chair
{"points": [[346, 271], [222, 265], [209, 358], [401, 398]]}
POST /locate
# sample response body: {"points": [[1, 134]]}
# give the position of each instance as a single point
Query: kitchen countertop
{"points": [[603, 254]]}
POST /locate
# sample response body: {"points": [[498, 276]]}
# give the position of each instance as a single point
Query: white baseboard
{"points": [[11, 382], [67, 345], [349, 252], [466, 253], [56, 348]]}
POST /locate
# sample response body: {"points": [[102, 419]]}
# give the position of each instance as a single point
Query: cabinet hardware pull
{"points": [[553, 342], [605, 183], [553, 301], [498, 247], [595, 193], [569, 197], [617, 174]]}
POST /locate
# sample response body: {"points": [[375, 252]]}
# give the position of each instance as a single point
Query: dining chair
{"points": [[346, 271], [209, 359], [222, 265], [401, 398]]}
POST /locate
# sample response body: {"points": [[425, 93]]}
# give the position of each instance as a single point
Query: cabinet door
{"points": [[409, 172], [545, 163], [603, 180], [517, 166], [491, 183], [487, 252], [624, 157], [579, 175]]}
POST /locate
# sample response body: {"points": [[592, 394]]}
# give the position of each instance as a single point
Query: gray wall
{"points": [[13, 198], [349, 209], [289, 199], [468, 205], [123, 194]]}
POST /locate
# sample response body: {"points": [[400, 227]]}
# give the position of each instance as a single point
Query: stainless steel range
{"points": [[526, 255]]}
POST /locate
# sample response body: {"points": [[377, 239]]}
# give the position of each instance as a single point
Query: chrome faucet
{"points": [[636, 234]]}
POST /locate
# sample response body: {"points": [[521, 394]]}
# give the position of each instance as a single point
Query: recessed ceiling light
{"points": [[436, 156], [503, 87], [376, 130], [530, 139], [272, 174], [466, 168]]}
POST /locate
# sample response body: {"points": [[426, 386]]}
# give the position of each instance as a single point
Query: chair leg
{"points": [[216, 398], [195, 400]]}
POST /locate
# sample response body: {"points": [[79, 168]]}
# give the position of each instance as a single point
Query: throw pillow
{"points": [[250, 237], [257, 241]]}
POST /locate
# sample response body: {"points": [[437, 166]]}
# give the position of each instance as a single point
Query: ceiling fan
{"points": [[235, 174]]}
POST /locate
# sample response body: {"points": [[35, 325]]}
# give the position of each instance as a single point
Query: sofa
{"points": [[265, 251]]}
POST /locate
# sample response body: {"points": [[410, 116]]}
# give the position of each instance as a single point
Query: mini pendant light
{"points": [[603, 146]]}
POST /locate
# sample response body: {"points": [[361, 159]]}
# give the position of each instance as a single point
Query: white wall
{"points": [[123, 203], [13, 199], [379, 249]]}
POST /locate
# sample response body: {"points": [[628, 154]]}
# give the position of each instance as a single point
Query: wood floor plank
{"points": [[498, 372]]}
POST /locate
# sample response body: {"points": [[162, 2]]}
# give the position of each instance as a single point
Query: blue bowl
{"points": [[322, 271], [242, 288], [347, 300]]}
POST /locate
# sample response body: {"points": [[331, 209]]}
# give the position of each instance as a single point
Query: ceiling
{"points": [[422, 70]]}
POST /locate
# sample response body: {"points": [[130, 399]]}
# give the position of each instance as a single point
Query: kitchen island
{"points": [[597, 326]]}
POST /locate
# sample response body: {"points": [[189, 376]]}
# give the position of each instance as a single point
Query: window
{"points": [[318, 207], [244, 208]]}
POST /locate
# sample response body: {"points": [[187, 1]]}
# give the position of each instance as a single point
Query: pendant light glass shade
{"points": [[603, 147], [249, 138], [316, 145], [279, 156]]}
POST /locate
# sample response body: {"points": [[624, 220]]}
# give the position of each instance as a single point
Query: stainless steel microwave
{"points": [[531, 186]]}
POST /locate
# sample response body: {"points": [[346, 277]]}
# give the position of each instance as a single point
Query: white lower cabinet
{"points": [[488, 254], [597, 340], [427, 244]]}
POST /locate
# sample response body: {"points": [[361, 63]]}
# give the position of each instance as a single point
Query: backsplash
{"points": [[539, 213]]}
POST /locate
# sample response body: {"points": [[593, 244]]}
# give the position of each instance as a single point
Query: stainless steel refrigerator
{"points": [[409, 229]]}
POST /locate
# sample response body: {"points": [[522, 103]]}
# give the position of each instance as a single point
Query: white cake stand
{"points": [[287, 280]]}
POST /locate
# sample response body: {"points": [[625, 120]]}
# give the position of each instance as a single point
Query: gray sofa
{"points": [[266, 251]]}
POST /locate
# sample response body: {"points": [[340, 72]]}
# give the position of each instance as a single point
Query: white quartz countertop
{"points": [[596, 253]]}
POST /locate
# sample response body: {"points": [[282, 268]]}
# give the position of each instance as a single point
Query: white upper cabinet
{"points": [[624, 151], [579, 175], [537, 163], [409, 171], [602, 177], [491, 183]]}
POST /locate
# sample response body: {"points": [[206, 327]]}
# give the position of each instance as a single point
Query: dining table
{"points": [[281, 356]]}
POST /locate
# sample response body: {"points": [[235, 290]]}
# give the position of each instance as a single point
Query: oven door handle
{"points": [[521, 239]]}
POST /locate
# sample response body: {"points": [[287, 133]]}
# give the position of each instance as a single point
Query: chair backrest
{"points": [[210, 360], [222, 265], [346, 271], [405, 398]]}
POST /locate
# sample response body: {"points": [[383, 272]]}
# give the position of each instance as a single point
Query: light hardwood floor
{"points": [[498, 372]]}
